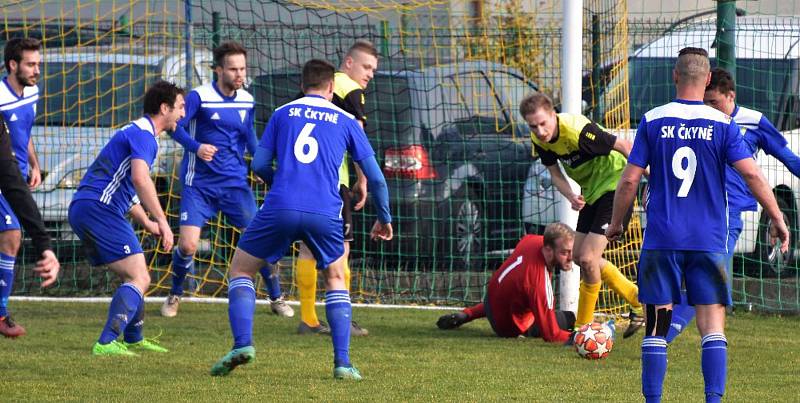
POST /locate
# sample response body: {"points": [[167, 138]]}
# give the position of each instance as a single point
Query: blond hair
{"points": [[555, 231]]}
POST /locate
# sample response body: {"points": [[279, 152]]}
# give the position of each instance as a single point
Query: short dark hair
{"points": [[693, 51], [161, 92], [721, 81], [15, 47], [316, 74], [225, 49], [534, 102], [362, 45]]}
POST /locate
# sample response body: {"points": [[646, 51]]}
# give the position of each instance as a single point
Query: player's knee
{"points": [[10, 241], [188, 246], [586, 261], [657, 321]]}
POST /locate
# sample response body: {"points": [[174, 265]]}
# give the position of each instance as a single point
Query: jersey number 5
{"points": [[303, 140], [686, 175]]}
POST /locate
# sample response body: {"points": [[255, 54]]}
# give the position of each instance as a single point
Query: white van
{"points": [[768, 80]]}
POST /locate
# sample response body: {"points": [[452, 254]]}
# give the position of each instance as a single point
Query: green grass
{"points": [[406, 358]]}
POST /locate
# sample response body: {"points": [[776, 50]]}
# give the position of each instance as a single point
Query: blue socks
{"points": [[181, 265], [241, 308], [682, 315], [339, 313], [123, 308], [133, 332], [272, 281], [6, 281], [654, 367], [715, 365]]}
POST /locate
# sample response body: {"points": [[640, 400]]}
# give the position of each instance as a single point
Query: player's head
{"points": [[318, 78], [721, 91], [164, 101], [230, 64], [692, 69], [557, 249], [22, 59], [537, 109], [360, 62]]}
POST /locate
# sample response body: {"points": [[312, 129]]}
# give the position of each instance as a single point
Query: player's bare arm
{"points": [[140, 217], [561, 183], [34, 168], [623, 198], [755, 180], [146, 190], [623, 146]]}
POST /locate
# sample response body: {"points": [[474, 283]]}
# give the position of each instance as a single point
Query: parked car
{"points": [[86, 94], [768, 80], [456, 156]]}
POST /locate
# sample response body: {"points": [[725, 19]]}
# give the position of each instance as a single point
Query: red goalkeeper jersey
{"points": [[520, 294]]}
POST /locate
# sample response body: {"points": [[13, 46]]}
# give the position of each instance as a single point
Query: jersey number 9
{"points": [[686, 175]]}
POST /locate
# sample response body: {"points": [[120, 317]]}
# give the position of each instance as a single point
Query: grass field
{"points": [[406, 358]]}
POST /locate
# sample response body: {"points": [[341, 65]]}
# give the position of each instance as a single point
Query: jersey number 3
{"points": [[306, 147], [686, 175]]}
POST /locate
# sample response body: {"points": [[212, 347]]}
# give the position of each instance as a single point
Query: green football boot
{"points": [[113, 348], [234, 358], [146, 344], [347, 373]]}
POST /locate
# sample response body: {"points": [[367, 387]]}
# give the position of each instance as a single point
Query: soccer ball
{"points": [[593, 341]]}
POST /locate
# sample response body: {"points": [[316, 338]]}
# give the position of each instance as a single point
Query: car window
{"points": [[475, 106], [512, 89], [388, 109], [762, 84], [92, 94]]}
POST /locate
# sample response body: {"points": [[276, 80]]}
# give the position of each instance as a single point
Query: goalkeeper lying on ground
{"points": [[519, 299]]}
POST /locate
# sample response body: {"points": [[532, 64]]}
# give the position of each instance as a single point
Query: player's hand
{"points": [[257, 179], [165, 232], [206, 152], [577, 202], [151, 227], [381, 231], [47, 268], [36, 178], [360, 194], [613, 232], [778, 231]]}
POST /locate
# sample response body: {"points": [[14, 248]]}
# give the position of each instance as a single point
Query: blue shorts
{"points": [[8, 220], [106, 236], [272, 232], [198, 205], [661, 273]]}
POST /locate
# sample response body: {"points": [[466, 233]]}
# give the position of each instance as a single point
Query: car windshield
{"points": [[92, 94]]}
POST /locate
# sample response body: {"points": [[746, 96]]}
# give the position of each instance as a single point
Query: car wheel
{"points": [[771, 261], [466, 232]]}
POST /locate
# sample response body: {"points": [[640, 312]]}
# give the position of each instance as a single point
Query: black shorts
{"points": [[595, 217], [347, 213]]}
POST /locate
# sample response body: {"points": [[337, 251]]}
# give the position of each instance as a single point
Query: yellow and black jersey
{"points": [[348, 95], [587, 153]]}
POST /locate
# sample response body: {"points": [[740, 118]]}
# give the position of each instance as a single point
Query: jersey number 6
{"points": [[686, 175], [303, 140]]}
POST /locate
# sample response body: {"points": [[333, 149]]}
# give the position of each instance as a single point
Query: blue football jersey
{"points": [[758, 134], [309, 137], [226, 123], [687, 146], [108, 179], [19, 114]]}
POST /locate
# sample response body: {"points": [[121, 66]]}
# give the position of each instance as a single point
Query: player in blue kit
{"points": [[758, 134], [116, 182], [18, 96], [219, 121], [687, 146], [308, 138]]}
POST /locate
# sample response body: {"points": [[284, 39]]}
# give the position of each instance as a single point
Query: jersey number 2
{"points": [[686, 175], [303, 140]]}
